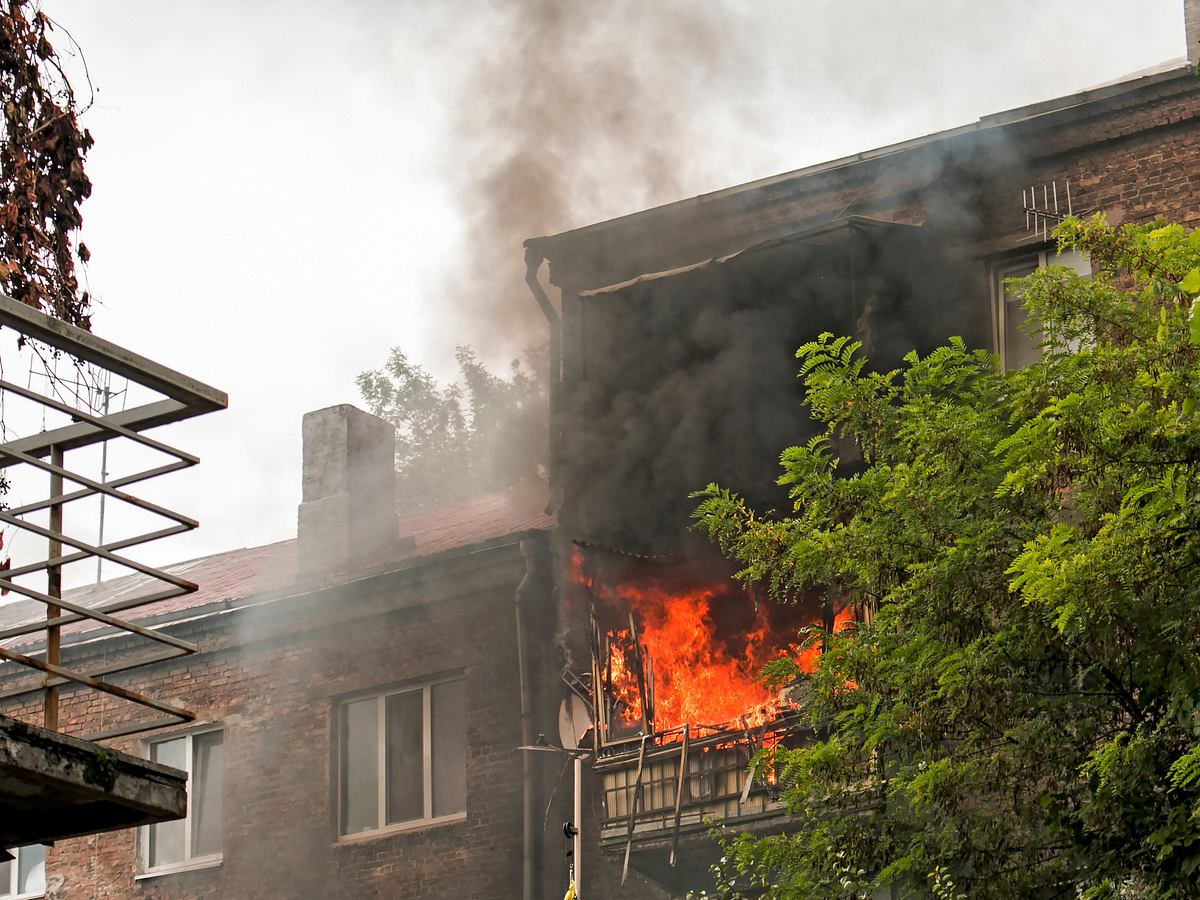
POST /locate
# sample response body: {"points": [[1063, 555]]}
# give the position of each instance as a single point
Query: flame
{"points": [[700, 675]]}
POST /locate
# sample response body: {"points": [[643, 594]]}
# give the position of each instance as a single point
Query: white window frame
{"points": [[1004, 268], [9, 891], [189, 862], [428, 819]]}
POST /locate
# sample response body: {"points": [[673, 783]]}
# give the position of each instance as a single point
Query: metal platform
{"points": [[53, 785]]}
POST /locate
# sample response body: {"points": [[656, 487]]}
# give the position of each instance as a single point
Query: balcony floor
{"points": [[53, 786]]}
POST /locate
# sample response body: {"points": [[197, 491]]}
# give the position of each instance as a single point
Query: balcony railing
{"points": [[39, 478]]}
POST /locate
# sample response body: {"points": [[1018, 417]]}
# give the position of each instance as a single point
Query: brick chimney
{"points": [[1191, 27], [348, 508]]}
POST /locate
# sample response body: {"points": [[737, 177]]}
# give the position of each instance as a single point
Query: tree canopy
{"points": [[1017, 715], [42, 178], [453, 441]]}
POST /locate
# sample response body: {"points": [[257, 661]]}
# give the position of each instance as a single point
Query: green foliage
{"points": [[457, 440], [1019, 715]]}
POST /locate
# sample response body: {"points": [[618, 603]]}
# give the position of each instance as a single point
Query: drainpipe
{"points": [[533, 261], [528, 584]]}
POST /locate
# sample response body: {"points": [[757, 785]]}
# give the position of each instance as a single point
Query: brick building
{"points": [[361, 689]]}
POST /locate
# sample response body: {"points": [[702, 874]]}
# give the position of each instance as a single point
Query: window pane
{"points": [[166, 838], [1020, 349], [449, 748], [405, 757], [360, 766], [170, 753], [208, 783], [31, 869]]}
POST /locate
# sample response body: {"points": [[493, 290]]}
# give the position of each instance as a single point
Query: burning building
{"points": [[675, 330], [360, 692]]}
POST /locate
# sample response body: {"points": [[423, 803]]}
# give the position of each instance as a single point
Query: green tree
{"points": [[453, 441], [1017, 716]]}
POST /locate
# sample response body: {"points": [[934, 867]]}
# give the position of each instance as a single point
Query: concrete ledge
{"points": [[54, 786]]}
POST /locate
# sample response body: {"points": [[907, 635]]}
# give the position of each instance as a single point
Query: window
{"points": [[403, 758], [24, 876], [193, 841], [1015, 347]]}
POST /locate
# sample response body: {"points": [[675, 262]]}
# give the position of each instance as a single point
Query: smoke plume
{"points": [[580, 111]]}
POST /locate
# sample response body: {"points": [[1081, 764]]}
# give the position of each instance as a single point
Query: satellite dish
{"points": [[574, 721]]}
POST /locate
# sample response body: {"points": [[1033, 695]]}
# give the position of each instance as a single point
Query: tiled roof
{"points": [[236, 574]]}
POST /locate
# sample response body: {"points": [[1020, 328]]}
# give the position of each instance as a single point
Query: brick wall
{"points": [[272, 675]]}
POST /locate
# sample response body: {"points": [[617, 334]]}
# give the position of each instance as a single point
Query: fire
{"points": [[698, 672]]}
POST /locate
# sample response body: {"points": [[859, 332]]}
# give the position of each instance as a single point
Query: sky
{"points": [[285, 190]]}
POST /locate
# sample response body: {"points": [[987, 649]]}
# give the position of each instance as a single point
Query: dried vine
{"points": [[42, 178]]}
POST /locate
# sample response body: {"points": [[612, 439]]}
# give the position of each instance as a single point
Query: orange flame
{"points": [[700, 676]]}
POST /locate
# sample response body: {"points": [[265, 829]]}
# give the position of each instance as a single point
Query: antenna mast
{"points": [[1041, 217]]}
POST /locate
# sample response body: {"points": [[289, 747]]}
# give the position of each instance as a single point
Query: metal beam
{"points": [[198, 396], [633, 807], [119, 606], [683, 764], [83, 434], [79, 678]]}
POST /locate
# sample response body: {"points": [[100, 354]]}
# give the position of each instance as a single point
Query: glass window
{"points": [[405, 771], [1016, 346], [24, 876], [195, 839], [449, 748], [1020, 348], [403, 757]]}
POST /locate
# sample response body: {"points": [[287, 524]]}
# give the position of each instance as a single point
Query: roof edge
{"points": [[297, 590]]}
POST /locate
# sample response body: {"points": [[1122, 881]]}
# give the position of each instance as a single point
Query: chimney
{"points": [[1191, 27], [348, 508]]}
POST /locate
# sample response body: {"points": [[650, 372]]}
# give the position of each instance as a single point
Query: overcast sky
{"points": [[284, 190]]}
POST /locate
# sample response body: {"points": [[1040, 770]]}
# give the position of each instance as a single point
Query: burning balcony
{"points": [[679, 709]]}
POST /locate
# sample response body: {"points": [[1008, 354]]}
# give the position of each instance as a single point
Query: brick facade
{"points": [[271, 676]]}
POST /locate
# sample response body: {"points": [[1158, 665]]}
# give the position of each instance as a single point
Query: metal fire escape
{"points": [[54, 785]]}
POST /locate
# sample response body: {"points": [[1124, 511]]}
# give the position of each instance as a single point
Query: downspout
{"points": [[533, 261], [527, 585]]}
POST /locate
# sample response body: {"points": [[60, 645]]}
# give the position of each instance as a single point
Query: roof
{"points": [[236, 574]]}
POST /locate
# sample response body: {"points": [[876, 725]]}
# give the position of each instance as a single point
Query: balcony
{"points": [[59, 438]]}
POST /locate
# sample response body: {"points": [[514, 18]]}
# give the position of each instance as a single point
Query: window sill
{"points": [[401, 828], [192, 865]]}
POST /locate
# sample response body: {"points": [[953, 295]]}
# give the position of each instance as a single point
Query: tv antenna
{"points": [[1039, 217]]}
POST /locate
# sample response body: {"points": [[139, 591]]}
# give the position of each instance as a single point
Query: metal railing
{"points": [[172, 397], [655, 794]]}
